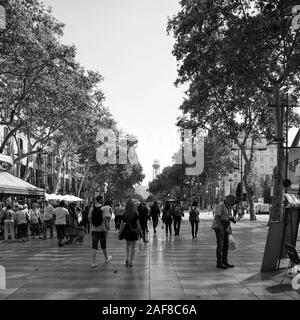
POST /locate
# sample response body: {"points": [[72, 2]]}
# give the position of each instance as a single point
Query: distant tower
{"points": [[156, 169]]}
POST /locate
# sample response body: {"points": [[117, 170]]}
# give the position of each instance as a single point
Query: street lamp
{"points": [[230, 180]]}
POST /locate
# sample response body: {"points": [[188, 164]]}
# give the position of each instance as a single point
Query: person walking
{"points": [[21, 221], [155, 213], [60, 218], [133, 229], [34, 220], [26, 210], [177, 215], [167, 218], [72, 225], [118, 215], [143, 219], [107, 214], [9, 224], [194, 218], [99, 231], [85, 219], [221, 226], [48, 220]]}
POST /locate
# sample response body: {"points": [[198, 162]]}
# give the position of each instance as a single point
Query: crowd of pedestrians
{"points": [[71, 222], [22, 222]]}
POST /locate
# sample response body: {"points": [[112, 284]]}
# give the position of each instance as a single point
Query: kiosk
{"points": [[281, 232]]}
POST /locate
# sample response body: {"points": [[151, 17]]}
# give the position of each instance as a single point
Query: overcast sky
{"points": [[126, 41]]}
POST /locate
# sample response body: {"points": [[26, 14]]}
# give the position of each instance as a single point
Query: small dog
{"points": [[80, 234]]}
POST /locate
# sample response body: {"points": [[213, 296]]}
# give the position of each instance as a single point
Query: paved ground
{"points": [[173, 268]]}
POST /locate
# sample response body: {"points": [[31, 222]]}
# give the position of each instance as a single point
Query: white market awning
{"points": [[72, 198], [9, 184], [54, 196]]}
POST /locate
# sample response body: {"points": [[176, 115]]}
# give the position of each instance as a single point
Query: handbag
{"points": [[232, 243], [122, 230]]}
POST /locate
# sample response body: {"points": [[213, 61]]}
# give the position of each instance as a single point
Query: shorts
{"points": [[96, 236], [60, 231]]}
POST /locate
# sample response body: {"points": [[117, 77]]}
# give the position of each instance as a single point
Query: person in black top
{"points": [[167, 217], [155, 213], [133, 229], [143, 218]]}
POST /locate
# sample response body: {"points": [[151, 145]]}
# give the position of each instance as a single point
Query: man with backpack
{"points": [[177, 214], [99, 231]]}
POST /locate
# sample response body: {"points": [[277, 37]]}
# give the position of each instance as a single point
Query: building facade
{"points": [[265, 160], [42, 167]]}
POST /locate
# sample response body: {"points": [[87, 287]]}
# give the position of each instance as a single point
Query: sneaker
{"points": [[108, 259], [126, 262], [94, 265], [221, 266]]}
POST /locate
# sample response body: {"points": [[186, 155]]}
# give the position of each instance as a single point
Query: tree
{"points": [[174, 180], [31, 56], [239, 47]]}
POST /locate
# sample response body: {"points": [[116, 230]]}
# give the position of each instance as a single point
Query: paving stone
{"points": [[173, 268]]}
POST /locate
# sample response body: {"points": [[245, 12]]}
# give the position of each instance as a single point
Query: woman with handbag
{"points": [[130, 230]]}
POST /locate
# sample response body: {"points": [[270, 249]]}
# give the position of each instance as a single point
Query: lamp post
{"points": [[230, 180]]}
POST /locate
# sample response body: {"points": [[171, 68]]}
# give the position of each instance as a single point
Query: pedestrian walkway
{"points": [[166, 268]]}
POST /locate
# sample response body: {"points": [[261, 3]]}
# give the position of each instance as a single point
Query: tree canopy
{"points": [[239, 58]]}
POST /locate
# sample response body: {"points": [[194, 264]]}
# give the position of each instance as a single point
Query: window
{"points": [[261, 159], [272, 151], [235, 176], [272, 160]]}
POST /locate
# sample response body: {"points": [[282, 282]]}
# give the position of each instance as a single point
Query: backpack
{"points": [[97, 217], [177, 211], [193, 216]]}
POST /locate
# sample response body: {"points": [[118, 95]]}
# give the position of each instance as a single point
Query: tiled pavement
{"points": [[173, 268]]}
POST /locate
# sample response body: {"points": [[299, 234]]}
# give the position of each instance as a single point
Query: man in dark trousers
{"points": [[177, 216], [221, 226], [155, 214], [143, 218]]}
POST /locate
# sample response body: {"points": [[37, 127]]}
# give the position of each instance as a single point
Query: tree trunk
{"points": [[248, 183], [277, 199], [83, 179], [250, 198], [58, 176], [27, 170]]}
